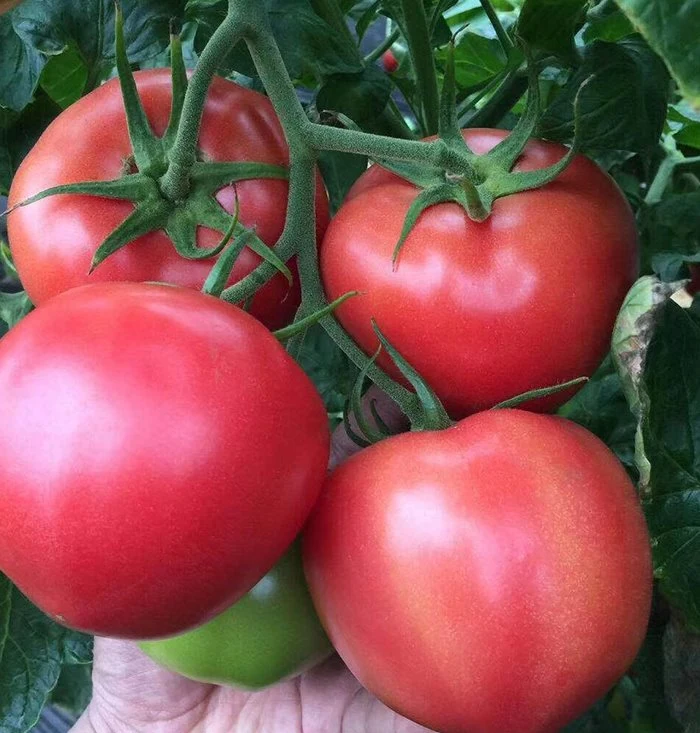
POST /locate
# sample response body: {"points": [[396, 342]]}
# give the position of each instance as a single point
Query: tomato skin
{"points": [[484, 312], [390, 62], [271, 634], [492, 577], [53, 241], [160, 453]]}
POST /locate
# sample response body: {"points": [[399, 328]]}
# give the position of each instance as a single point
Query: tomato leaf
{"points": [[64, 77], [19, 133], [612, 26], [362, 96], [74, 688], [13, 307], [306, 41], [682, 673], [624, 105], [550, 25], [340, 171], [671, 29], [20, 67], [477, 59], [40, 29], [601, 407], [32, 651], [671, 435], [331, 371], [671, 235]]}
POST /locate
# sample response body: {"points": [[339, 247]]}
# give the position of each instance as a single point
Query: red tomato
{"points": [[389, 62], [484, 312], [491, 578], [160, 452], [53, 240]]}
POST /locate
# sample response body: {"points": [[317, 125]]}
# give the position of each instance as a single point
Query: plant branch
{"points": [[503, 37], [385, 45], [183, 155], [420, 49]]}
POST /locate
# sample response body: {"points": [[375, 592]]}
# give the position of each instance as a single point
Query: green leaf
{"points": [[671, 29], [684, 123], [40, 29], [671, 435], [307, 43], [13, 307], [550, 25], [601, 407], [682, 674], [32, 651], [64, 77], [20, 67], [623, 107], [74, 688], [331, 371], [477, 59], [671, 235], [362, 96], [19, 134], [611, 27], [340, 171]]}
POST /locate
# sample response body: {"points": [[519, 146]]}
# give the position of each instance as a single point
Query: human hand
{"points": [[131, 693]]}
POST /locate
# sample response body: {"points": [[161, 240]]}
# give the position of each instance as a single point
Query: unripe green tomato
{"points": [[6, 5], [271, 634]]}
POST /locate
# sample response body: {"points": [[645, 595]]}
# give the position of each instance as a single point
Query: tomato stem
{"points": [[183, 154], [420, 49]]}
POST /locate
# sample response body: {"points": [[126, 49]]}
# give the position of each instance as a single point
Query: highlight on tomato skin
{"points": [[79, 224], [467, 576], [138, 435], [485, 311]]}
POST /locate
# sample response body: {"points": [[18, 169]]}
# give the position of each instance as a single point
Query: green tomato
{"points": [[271, 634]]}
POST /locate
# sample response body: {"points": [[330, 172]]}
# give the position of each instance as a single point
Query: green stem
{"points": [[661, 179], [420, 49], [510, 91], [503, 37], [321, 137], [384, 46], [298, 236], [332, 13], [470, 103], [183, 155]]}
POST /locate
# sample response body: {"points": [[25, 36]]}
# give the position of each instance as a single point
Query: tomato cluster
{"points": [[161, 451]]}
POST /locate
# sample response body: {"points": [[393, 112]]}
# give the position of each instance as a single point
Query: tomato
{"points": [[390, 62], [271, 634], [486, 311], [160, 452], [89, 141], [492, 577]]}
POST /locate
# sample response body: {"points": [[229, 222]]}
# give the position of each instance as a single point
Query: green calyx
{"points": [[166, 195], [474, 181], [429, 414]]}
